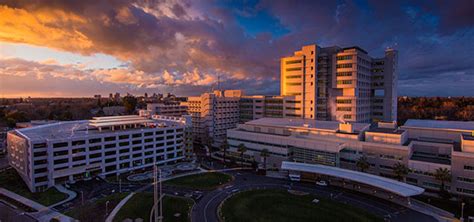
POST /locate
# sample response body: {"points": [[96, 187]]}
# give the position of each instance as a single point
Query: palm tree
{"points": [[265, 153], [401, 171], [224, 147], [443, 175], [242, 149], [363, 164]]}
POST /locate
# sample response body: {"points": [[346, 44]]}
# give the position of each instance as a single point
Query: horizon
{"points": [[78, 49]]}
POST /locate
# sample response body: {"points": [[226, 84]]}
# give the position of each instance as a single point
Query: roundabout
{"points": [[280, 205]]}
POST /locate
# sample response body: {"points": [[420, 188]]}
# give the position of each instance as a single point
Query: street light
{"points": [[462, 211], [82, 197], [106, 208]]}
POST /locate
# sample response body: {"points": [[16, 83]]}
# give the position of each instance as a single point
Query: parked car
{"points": [[322, 183]]}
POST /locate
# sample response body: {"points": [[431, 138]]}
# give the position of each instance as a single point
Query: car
{"points": [[321, 183]]}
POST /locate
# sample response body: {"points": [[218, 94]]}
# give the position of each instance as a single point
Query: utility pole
{"points": [[158, 215]]}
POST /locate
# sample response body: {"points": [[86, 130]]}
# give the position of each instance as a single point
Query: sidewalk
{"points": [[44, 214], [71, 195], [117, 208], [438, 214]]}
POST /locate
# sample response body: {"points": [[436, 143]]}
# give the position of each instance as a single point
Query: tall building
{"points": [[343, 84], [213, 114], [423, 146], [74, 150], [259, 106]]}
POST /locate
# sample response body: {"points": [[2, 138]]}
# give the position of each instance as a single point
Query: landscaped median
{"points": [[10, 180], [202, 181], [175, 209], [279, 205]]}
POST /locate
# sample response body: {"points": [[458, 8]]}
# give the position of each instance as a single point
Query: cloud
{"points": [[171, 44]]}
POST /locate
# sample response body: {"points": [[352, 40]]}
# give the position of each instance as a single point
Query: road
{"points": [[205, 209], [8, 214]]}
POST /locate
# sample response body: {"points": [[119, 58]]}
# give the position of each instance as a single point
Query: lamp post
{"points": [[82, 197], [462, 211], [106, 208]]}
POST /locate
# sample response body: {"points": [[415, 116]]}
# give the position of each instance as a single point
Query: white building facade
{"points": [[423, 146], [74, 150]]}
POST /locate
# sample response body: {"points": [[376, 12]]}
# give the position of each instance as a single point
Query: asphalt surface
{"points": [[205, 209], [8, 214]]}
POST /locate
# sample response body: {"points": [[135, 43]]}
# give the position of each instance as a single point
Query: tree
{"points": [[443, 175], [265, 153], [401, 171], [224, 147], [130, 103], [362, 164], [242, 149]]}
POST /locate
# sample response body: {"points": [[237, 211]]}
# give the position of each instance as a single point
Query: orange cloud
{"points": [[41, 28]]}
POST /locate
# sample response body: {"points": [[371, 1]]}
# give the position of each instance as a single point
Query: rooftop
{"points": [[440, 124], [67, 129], [305, 123], [386, 130], [387, 184]]}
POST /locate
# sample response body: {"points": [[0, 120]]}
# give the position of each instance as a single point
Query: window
{"points": [[293, 77], [343, 101], [78, 142], [58, 145], [96, 155], [96, 140], [293, 62], [92, 148], [60, 161], [293, 84], [41, 170], [346, 57], [136, 135], [348, 65], [38, 154], [346, 116], [112, 138], [344, 74], [108, 146], [80, 150], [293, 69], [344, 82], [344, 109], [467, 167], [78, 158], [39, 145], [124, 144], [61, 153], [122, 137]]}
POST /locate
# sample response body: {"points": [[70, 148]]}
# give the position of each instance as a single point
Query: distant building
{"points": [[70, 151], [114, 110], [421, 145], [213, 114], [165, 109], [98, 96]]}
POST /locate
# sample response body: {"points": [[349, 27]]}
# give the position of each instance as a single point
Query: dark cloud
{"points": [[188, 40]]}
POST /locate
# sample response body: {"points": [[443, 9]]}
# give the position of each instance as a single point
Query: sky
{"points": [[52, 48]]}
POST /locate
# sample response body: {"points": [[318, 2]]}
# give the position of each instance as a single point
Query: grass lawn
{"points": [[96, 211], [202, 181], [139, 206], [279, 205], [10, 180]]}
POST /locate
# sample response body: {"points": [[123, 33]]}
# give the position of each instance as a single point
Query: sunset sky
{"points": [[81, 48]]}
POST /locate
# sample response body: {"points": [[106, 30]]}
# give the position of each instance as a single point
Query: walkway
{"points": [[71, 195], [43, 214]]}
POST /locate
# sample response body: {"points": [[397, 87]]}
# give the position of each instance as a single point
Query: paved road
{"points": [[205, 209], [8, 214]]}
